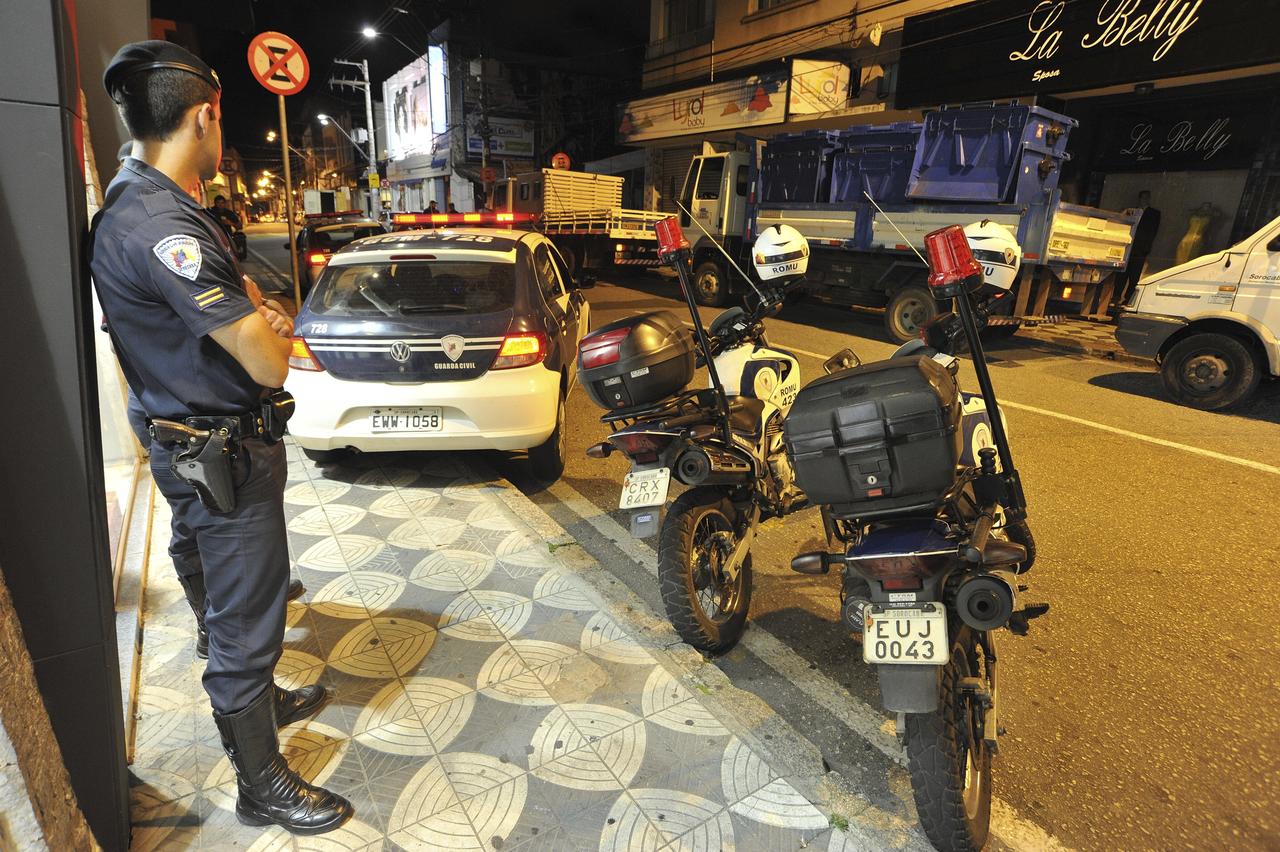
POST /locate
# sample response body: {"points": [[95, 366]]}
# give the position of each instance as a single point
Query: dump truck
{"points": [[865, 196]]}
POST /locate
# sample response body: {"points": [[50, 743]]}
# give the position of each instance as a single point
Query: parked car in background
{"points": [[452, 339], [1212, 323], [324, 233]]}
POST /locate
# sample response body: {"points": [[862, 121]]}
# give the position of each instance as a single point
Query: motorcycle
{"points": [[724, 442], [927, 587]]}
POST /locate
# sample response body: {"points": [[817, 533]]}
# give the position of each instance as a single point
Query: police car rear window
{"points": [[414, 287], [337, 236]]}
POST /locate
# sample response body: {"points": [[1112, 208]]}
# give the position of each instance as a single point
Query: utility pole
{"points": [[363, 65]]}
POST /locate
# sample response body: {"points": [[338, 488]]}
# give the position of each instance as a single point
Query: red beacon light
{"points": [[437, 220], [671, 239], [953, 269]]}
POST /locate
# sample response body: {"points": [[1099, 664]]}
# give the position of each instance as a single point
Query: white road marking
{"points": [[1115, 430], [861, 718]]}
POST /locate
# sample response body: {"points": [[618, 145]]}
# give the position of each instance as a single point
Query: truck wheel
{"points": [[909, 310], [710, 287], [1210, 371]]}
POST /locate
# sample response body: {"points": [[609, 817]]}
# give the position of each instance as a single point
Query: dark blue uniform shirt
{"points": [[166, 277]]}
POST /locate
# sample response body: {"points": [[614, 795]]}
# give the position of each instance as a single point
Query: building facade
{"points": [[1175, 97]]}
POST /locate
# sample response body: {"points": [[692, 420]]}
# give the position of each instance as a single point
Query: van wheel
{"points": [[1210, 371], [547, 459], [710, 287], [908, 312]]}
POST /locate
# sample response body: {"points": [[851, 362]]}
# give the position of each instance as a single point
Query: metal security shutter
{"points": [[675, 163]]}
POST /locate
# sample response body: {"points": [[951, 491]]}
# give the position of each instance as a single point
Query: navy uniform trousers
{"points": [[244, 555]]}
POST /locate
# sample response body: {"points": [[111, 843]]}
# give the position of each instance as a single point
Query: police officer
{"points": [[194, 344], [183, 550]]}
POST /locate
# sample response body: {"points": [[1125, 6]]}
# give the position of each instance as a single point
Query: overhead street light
{"points": [[371, 33], [326, 120], [272, 136]]}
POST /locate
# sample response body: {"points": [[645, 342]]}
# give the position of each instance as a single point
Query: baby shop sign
{"points": [[749, 102]]}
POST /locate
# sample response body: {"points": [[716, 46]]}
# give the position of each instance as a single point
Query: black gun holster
{"points": [[207, 469]]}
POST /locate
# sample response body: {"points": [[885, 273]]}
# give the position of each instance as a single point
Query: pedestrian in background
{"points": [[1144, 237], [198, 345]]}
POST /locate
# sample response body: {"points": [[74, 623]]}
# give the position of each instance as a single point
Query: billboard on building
{"points": [[416, 103], [818, 86], [749, 102], [508, 137]]}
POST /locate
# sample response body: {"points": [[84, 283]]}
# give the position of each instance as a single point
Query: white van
{"points": [[1211, 323]]}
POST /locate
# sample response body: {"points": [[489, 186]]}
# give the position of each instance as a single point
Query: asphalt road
{"points": [[1144, 710]]}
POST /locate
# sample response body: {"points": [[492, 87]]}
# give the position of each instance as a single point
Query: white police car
{"points": [[456, 338]]}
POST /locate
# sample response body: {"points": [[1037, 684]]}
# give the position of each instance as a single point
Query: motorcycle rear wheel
{"points": [[708, 611], [949, 763]]}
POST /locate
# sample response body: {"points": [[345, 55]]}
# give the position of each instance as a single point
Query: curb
{"points": [[1071, 347]]}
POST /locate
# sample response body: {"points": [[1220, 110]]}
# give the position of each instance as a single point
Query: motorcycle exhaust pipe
{"points": [[703, 466], [986, 601]]}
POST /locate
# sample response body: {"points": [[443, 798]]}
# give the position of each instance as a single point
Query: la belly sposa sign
{"points": [[1119, 23], [1004, 48]]}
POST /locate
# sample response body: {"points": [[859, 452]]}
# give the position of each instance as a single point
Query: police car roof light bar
{"points": [[438, 219]]}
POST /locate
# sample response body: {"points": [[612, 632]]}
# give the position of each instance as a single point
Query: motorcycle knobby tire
{"points": [[676, 578], [937, 755]]}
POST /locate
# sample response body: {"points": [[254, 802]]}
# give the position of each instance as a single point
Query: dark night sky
{"points": [[331, 28]]}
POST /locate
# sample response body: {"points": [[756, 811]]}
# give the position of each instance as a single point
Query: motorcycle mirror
{"points": [[845, 359]]}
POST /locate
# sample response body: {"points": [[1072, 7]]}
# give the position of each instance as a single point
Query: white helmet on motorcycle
{"points": [[780, 255], [997, 249]]}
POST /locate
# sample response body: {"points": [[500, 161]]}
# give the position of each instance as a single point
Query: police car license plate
{"points": [[406, 420], [906, 636], [642, 488]]}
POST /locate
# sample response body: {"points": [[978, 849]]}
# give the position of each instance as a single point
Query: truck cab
{"points": [[714, 195], [1211, 323]]}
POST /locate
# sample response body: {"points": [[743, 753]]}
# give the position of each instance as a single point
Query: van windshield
{"points": [[403, 288]]}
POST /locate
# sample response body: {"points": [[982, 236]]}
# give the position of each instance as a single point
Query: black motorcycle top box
{"points": [[877, 440], [636, 361]]}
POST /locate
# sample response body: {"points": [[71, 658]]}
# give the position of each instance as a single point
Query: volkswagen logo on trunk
{"points": [[453, 346], [400, 351]]}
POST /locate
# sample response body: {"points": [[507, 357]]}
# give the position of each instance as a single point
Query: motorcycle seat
{"points": [[744, 415]]}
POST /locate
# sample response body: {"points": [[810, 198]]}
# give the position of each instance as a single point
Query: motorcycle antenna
{"points": [[905, 241], [720, 249]]}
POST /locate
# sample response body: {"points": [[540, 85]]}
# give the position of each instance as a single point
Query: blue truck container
{"points": [[865, 197]]}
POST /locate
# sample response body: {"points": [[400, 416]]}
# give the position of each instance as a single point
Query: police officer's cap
{"points": [[150, 56]]}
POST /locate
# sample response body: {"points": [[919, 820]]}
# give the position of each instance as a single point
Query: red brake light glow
{"points": [[951, 260], [601, 349], [521, 350], [300, 357], [640, 446]]}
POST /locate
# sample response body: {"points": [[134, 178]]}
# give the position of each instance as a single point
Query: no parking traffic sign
{"points": [[278, 63]]}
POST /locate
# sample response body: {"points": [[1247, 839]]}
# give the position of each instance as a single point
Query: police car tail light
{"points": [[300, 357], [521, 350], [603, 348]]}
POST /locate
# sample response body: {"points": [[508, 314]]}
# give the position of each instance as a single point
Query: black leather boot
{"points": [[270, 793], [295, 704], [193, 587]]}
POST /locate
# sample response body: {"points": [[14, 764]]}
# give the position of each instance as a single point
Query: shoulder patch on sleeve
{"points": [[181, 254]]}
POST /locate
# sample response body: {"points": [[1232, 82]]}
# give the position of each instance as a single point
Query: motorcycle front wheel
{"points": [[708, 610], [949, 762]]}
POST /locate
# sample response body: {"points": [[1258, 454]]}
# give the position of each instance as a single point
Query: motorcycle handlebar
{"points": [[973, 549]]}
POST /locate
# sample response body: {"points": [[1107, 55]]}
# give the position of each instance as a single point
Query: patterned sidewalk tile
{"points": [[479, 698]]}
